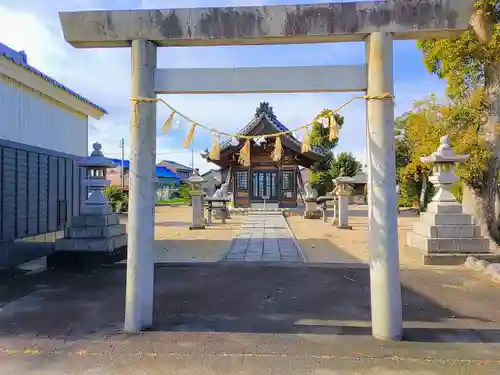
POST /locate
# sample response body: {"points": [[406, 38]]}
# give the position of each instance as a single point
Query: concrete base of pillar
{"points": [[90, 240]]}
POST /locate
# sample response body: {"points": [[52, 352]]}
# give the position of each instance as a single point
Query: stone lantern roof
{"points": [[444, 154], [196, 178], [96, 159]]}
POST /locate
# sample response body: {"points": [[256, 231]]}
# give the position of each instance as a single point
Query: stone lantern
{"points": [[96, 165], [197, 194], [445, 234], [343, 190], [96, 235], [443, 170]]}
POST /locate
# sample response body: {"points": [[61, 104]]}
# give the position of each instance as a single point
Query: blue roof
{"points": [[126, 163], [21, 59], [161, 171], [165, 172]]}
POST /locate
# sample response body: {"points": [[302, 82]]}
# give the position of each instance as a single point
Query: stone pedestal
{"points": [[197, 204], [90, 240], [198, 221], [445, 235], [312, 211], [343, 218]]}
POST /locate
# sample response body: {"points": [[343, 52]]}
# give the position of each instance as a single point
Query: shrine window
{"points": [[241, 178], [288, 183]]}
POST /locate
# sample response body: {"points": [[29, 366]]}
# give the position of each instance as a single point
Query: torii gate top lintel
{"points": [[277, 24]]}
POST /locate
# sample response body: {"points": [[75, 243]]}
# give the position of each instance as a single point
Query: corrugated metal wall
{"points": [[40, 190], [31, 118]]}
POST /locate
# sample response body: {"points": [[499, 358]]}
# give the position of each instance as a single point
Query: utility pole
{"points": [[122, 169], [192, 159]]}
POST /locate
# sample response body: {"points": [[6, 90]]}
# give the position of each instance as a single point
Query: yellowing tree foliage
{"points": [[471, 66]]}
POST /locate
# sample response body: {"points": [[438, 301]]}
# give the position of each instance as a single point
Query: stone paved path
{"points": [[264, 237]]}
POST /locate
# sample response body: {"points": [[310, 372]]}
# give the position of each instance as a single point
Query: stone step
{"points": [[447, 231], [445, 219], [95, 232], [447, 245], [94, 220], [444, 208], [91, 244]]}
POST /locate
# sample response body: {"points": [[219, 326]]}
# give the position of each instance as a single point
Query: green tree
{"points": [[347, 163], [471, 66], [185, 190], [425, 124], [403, 144], [320, 174]]}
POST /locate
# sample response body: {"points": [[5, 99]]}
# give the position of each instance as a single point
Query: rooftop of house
{"points": [[211, 172], [177, 165], [161, 171], [20, 58]]}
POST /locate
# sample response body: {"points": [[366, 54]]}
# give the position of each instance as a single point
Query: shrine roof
{"points": [[278, 127]]}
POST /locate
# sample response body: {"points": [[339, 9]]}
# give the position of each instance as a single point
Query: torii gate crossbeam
{"points": [[377, 23]]}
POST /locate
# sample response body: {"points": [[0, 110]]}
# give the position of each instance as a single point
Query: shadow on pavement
{"points": [[449, 306]]}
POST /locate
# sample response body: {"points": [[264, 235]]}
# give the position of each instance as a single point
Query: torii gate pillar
{"points": [[140, 257], [385, 286]]}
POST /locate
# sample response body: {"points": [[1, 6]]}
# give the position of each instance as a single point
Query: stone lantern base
{"points": [[447, 236], [90, 240]]}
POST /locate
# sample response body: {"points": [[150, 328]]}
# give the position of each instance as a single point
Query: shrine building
{"points": [[278, 183]]}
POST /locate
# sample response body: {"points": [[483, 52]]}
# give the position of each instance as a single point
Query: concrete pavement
{"points": [[247, 319]]}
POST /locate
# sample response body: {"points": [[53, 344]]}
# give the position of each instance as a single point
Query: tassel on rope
{"points": [[215, 153], [190, 135], [244, 158], [168, 124], [306, 145], [278, 149], [334, 128]]}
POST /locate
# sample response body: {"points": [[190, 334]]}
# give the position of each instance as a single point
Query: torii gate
{"points": [[376, 23]]}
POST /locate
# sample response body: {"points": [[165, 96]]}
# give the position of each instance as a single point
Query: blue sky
{"points": [[103, 75]]}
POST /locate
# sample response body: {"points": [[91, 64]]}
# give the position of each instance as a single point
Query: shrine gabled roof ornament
{"points": [[278, 126]]}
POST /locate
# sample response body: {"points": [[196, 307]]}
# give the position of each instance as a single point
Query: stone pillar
{"points": [[344, 210], [140, 259], [343, 191], [335, 219], [198, 221], [385, 284], [209, 212]]}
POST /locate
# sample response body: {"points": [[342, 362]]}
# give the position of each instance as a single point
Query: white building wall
{"points": [[29, 117]]}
